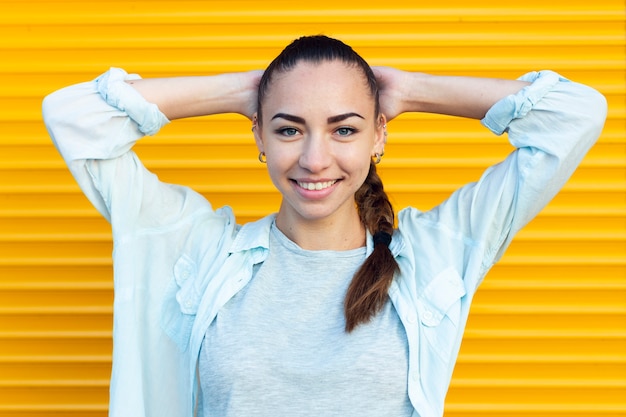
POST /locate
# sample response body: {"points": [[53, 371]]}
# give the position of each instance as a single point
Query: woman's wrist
{"points": [[416, 92]]}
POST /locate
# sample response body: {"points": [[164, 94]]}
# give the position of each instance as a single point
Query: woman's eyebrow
{"points": [[290, 117], [330, 120], [340, 117]]}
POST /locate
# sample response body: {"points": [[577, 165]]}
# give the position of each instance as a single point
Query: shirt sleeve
{"points": [[552, 123], [100, 119], [94, 125]]}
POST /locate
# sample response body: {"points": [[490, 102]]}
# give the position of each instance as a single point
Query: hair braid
{"points": [[367, 293]]}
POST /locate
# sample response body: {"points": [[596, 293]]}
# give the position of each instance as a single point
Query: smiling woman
{"points": [[323, 308]]}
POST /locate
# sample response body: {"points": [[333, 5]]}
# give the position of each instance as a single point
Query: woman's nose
{"points": [[315, 155]]}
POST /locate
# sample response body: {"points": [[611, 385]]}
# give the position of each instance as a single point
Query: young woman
{"points": [[323, 309]]}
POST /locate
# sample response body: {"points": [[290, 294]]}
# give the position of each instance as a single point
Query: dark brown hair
{"points": [[367, 292]]}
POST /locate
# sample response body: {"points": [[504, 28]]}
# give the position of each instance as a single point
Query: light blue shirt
{"points": [[177, 261]]}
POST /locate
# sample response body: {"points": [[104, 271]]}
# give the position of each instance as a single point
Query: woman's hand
{"points": [[392, 85], [249, 86]]}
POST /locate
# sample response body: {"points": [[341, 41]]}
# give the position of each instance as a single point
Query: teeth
{"points": [[315, 185]]}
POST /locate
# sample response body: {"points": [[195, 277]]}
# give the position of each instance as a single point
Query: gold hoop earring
{"points": [[262, 158]]}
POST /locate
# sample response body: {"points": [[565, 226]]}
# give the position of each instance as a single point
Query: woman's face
{"points": [[319, 132]]}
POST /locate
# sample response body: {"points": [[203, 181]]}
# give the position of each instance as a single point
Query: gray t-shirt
{"points": [[279, 348]]}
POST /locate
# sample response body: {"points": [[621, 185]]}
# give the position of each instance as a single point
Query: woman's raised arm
{"points": [[402, 91], [181, 97]]}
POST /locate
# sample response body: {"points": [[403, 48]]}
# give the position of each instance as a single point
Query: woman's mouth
{"points": [[316, 186]]}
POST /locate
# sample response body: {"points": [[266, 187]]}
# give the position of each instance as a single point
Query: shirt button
{"points": [[428, 315], [187, 303], [415, 376], [412, 318]]}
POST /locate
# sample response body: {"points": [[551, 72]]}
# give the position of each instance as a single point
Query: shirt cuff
{"points": [[517, 105], [116, 92]]}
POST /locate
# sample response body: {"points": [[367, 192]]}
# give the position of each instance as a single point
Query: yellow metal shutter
{"points": [[547, 334]]}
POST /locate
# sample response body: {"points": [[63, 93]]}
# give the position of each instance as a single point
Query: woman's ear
{"points": [[256, 130], [381, 135]]}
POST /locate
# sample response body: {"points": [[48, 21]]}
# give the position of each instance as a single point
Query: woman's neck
{"points": [[332, 233]]}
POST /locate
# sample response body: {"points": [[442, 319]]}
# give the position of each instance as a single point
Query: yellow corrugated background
{"points": [[547, 334]]}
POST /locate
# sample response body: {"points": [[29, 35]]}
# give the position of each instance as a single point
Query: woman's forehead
{"points": [[316, 84]]}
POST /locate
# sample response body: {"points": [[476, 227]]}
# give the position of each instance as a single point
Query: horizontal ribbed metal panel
{"points": [[547, 334]]}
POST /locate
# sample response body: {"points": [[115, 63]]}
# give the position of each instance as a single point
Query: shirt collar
{"points": [[253, 235], [257, 235]]}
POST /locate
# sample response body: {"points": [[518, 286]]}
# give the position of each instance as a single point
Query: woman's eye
{"points": [[345, 131], [288, 131]]}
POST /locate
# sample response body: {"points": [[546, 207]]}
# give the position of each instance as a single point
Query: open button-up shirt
{"points": [[177, 260]]}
